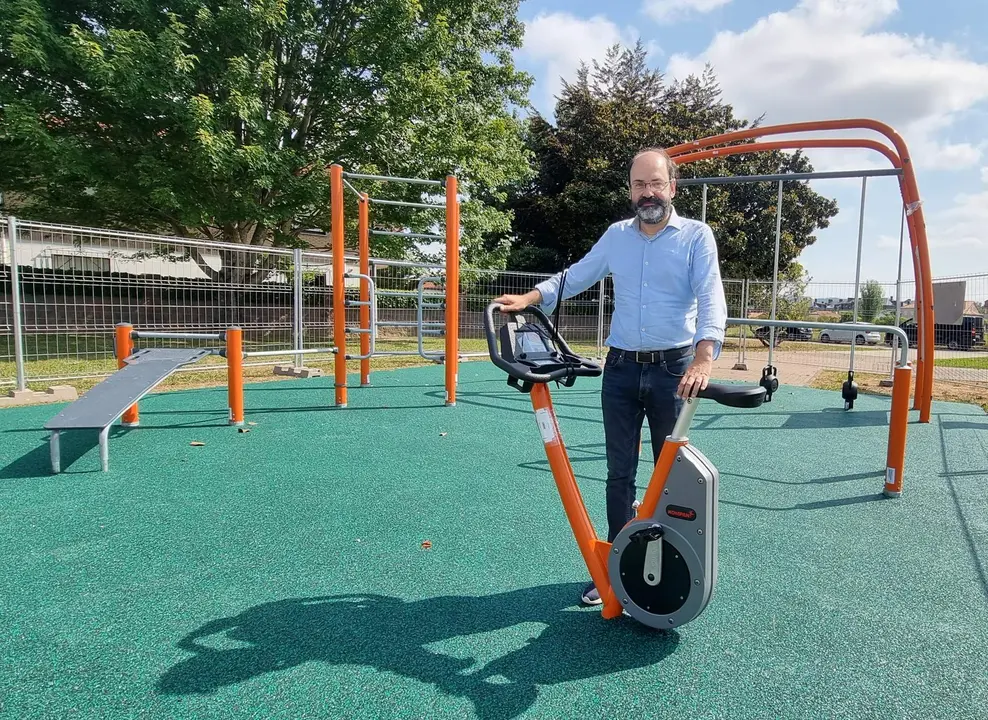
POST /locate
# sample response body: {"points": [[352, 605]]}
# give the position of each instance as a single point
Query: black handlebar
{"points": [[533, 353], [527, 353]]}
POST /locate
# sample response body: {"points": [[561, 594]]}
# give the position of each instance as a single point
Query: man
{"points": [[667, 328]]}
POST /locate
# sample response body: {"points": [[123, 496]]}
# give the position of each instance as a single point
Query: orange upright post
{"points": [[569, 492], [339, 291], [235, 374], [124, 346], [452, 289], [364, 239], [895, 460]]}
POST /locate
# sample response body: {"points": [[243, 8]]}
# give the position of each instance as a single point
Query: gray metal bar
{"points": [[427, 236], [297, 303], [408, 293], [386, 262], [413, 181], [857, 266], [372, 330], [703, 207], [833, 175], [56, 453], [292, 351], [152, 335], [600, 318], [407, 323], [15, 298], [775, 271], [864, 327], [421, 290], [104, 448], [403, 203], [359, 194], [898, 285]]}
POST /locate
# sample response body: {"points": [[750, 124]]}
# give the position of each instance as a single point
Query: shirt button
{"points": [[645, 284], [646, 262]]}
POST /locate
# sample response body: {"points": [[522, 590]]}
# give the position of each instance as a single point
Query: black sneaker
{"points": [[590, 595]]}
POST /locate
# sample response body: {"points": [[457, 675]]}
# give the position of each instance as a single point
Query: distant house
{"points": [[103, 252]]}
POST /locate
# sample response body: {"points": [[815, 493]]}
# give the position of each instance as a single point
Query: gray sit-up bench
{"points": [[107, 401]]}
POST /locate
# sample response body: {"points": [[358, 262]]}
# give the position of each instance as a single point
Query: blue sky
{"points": [[919, 66]]}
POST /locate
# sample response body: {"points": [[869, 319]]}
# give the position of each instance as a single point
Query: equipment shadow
{"points": [[393, 635], [73, 445]]}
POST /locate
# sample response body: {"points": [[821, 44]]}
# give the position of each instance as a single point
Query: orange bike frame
{"points": [[594, 550]]}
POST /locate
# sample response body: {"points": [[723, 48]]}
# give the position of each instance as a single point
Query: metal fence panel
{"points": [[77, 283]]}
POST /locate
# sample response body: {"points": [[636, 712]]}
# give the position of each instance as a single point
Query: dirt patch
{"points": [[869, 383]]}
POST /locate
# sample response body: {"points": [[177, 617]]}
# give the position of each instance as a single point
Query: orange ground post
{"points": [[124, 345], [235, 374], [895, 460], [452, 289], [364, 240], [339, 310]]}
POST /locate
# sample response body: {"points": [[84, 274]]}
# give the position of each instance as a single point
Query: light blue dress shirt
{"points": [[668, 291]]}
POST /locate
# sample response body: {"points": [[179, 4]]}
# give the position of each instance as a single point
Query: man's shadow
{"points": [[392, 635]]}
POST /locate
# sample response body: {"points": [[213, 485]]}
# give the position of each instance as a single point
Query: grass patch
{"points": [[211, 371], [868, 383], [974, 363]]}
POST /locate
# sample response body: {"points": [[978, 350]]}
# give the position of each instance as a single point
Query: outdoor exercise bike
{"points": [[662, 567]]}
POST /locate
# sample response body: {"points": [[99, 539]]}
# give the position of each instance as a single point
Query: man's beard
{"points": [[652, 210]]}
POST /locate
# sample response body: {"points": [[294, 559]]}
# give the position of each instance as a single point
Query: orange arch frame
{"points": [[901, 160]]}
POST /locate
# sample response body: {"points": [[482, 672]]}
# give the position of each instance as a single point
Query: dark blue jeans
{"points": [[630, 392]]}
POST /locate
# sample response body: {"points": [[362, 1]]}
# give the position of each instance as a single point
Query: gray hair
{"points": [[670, 163]]}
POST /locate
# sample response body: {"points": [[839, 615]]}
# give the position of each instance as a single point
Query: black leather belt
{"points": [[653, 356]]}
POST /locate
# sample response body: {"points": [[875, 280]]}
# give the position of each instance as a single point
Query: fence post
{"points": [[890, 380], [741, 364], [297, 304], [600, 319], [15, 295]]}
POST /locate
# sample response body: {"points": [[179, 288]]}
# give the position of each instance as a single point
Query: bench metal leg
{"points": [[56, 455], [104, 448]]}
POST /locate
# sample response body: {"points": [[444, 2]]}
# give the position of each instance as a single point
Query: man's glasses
{"points": [[656, 185]]}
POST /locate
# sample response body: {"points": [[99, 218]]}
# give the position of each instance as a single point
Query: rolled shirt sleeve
{"points": [[705, 279], [591, 268]]}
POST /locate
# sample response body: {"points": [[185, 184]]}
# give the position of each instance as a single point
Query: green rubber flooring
{"points": [[281, 573]]}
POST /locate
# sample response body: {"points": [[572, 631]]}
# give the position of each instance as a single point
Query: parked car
{"points": [[858, 337], [783, 333], [967, 334]]}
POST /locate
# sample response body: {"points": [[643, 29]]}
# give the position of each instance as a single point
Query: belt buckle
{"points": [[644, 357]]}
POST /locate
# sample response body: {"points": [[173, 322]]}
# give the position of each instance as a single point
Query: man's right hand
{"points": [[517, 303]]}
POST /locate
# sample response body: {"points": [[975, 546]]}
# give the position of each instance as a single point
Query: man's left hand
{"points": [[696, 378]]}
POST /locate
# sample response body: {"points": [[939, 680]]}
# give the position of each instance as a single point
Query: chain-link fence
{"points": [[74, 284]]}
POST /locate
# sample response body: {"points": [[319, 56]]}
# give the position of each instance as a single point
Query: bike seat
{"points": [[736, 396]]}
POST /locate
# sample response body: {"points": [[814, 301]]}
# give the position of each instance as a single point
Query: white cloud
{"points": [[828, 59], [962, 226], [559, 42], [984, 174], [670, 11]]}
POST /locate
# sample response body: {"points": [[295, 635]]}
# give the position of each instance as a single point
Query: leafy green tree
{"points": [[217, 118], [872, 301], [581, 163]]}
